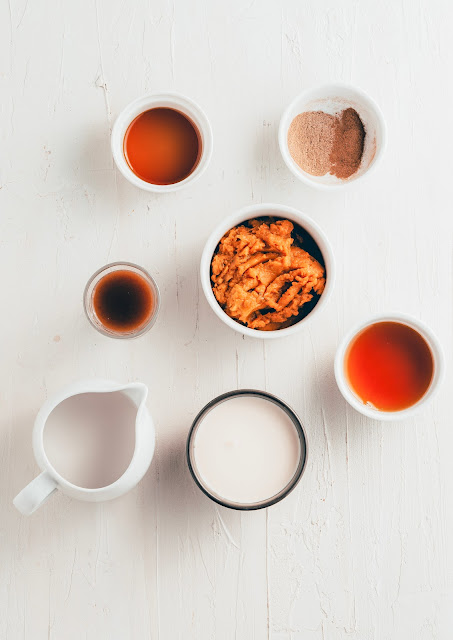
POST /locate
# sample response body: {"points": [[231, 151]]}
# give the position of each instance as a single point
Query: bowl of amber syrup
{"points": [[389, 366], [162, 142]]}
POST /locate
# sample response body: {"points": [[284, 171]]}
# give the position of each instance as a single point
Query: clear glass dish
{"points": [[89, 294]]}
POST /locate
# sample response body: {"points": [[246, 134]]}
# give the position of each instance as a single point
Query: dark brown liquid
{"points": [[123, 301]]}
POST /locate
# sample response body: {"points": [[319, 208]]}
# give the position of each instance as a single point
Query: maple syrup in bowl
{"points": [[162, 142], [121, 300], [390, 366], [162, 146]]}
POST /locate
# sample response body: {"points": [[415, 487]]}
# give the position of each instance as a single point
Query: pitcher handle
{"points": [[35, 493]]}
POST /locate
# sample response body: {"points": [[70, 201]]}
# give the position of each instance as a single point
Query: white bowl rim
{"points": [[284, 125], [141, 104], [247, 213], [436, 351]]}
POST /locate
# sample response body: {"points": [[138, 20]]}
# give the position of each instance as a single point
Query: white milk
{"points": [[246, 449], [90, 438]]}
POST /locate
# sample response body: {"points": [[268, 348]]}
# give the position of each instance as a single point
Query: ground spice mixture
{"points": [[321, 143]]}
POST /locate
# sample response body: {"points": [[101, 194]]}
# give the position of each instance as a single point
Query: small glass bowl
{"points": [[89, 293], [268, 501]]}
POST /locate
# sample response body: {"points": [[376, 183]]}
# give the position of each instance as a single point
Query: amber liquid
{"points": [[123, 301], [162, 146], [389, 366]]}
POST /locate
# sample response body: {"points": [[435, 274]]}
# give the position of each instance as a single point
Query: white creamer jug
{"points": [[51, 479]]}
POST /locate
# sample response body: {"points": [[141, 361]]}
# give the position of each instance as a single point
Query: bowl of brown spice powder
{"points": [[332, 135]]}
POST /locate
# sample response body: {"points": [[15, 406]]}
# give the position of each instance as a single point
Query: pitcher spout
{"points": [[137, 392]]}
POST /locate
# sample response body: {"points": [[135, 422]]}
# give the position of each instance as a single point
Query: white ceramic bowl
{"points": [[438, 360], [171, 101], [333, 98], [256, 211]]}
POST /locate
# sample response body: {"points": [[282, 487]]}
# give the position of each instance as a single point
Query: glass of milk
{"points": [[246, 449]]}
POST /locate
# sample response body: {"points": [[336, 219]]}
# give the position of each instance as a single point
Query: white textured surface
{"points": [[362, 549]]}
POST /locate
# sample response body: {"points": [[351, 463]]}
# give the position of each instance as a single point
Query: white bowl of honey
{"points": [[389, 367], [162, 142]]}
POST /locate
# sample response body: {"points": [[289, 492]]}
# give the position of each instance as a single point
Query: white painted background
{"points": [[362, 549]]}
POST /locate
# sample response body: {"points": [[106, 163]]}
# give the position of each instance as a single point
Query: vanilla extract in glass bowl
{"points": [[122, 300]]}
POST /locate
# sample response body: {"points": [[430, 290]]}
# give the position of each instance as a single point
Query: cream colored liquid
{"points": [[90, 438], [246, 450]]}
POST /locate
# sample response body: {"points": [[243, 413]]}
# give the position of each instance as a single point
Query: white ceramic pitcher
{"points": [[39, 489]]}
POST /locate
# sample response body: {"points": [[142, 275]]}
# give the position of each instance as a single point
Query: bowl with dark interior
{"points": [[267, 270]]}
